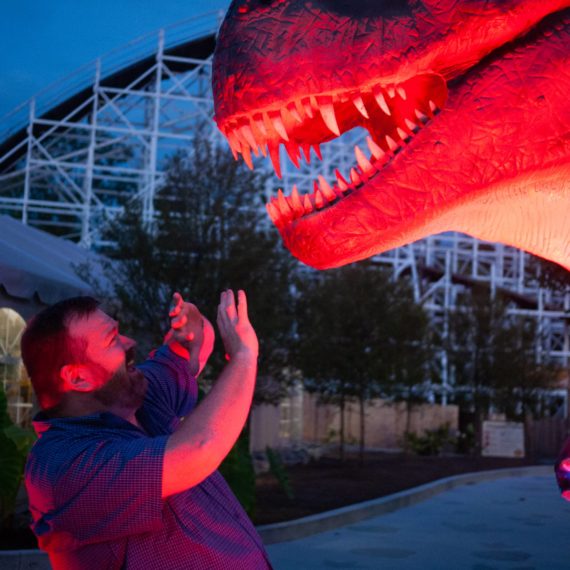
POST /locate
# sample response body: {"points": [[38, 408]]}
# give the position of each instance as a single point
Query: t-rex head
{"points": [[466, 102]]}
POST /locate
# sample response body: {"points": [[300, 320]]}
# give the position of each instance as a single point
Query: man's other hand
{"points": [[235, 329], [186, 326]]}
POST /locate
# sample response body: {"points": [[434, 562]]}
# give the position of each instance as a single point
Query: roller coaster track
{"points": [[76, 154]]}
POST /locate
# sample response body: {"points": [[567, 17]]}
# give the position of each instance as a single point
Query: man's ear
{"points": [[77, 377]]}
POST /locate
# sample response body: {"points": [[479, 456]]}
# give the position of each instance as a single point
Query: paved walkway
{"points": [[516, 524]]}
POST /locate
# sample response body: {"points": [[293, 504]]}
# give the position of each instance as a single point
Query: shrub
{"points": [[431, 442]]}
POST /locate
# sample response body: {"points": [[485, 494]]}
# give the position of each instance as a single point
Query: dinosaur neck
{"points": [[529, 213]]}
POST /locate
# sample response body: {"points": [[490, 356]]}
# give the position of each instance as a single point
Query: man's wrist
{"points": [[245, 355], [178, 349]]}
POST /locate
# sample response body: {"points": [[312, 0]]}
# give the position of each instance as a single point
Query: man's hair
{"points": [[47, 346]]}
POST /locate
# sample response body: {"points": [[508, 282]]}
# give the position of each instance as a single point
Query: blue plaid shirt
{"points": [[95, 482]]}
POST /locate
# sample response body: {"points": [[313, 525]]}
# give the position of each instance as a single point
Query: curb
{"points": [[329, 520]]}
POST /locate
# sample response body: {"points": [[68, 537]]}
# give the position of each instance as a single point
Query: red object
{"points": [[466, 104]]}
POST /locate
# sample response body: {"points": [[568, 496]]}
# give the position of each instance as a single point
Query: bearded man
{"points": [[123, 474]]}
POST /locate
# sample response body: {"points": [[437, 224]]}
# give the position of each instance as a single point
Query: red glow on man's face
{"points": [[109, 358]]}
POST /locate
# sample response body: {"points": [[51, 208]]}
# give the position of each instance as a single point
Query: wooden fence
{"points": [[545, 437]]}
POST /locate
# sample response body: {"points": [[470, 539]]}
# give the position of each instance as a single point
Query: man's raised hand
{"points": [[185, 326], [235, 329]]}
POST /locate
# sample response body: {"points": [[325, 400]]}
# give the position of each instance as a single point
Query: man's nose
{"points": [[127, 342]]}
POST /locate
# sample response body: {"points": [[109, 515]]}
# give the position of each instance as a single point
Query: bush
{"points": [[431, 443], [237, 470], [15, 444], [279, 472]]}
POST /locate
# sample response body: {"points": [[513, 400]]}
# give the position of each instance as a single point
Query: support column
{"points": [[88, 180], [148, 198], [27, 174]]}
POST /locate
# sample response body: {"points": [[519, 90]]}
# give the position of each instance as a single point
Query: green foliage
{"points": [[430, 443], [493, 353], [210, 233], [279, 472], [359, 329], [360, 335], [237, 469], [15, 443]]}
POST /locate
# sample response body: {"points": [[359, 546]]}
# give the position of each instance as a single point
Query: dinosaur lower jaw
{"points": [[527, 212]]}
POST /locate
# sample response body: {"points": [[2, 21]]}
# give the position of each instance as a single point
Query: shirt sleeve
{"points": [[172, 391], [108, 490]]}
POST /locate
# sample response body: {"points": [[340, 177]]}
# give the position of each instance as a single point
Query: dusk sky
{"points": [[42, 41]]}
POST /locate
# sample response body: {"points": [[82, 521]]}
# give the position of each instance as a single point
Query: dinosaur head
{"points": [[466, 121]]}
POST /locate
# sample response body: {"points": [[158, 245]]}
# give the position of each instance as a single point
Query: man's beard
{"points": [[126, 389]]}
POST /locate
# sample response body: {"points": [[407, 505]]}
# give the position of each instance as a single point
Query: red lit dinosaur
{"points": [[467, 103]]}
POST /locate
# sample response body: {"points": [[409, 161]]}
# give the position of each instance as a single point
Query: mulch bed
{"points": [[330, 483]]}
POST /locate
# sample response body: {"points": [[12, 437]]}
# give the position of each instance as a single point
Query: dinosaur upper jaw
{"points": [[493, 163]]}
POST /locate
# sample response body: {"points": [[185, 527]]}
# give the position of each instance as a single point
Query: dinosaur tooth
{"points": [[306, 148], [234, 143], [355, 178], [307, 204], [420, 116], [391, 91], [401, 92], [299, 107], [319, 199], [359, 104], [326, 108], [326, 189], [342, 183], [283, 205], [272, 211], [392, 145], [317, 149], [381, 100], [294, 113], [412, 126], [402, 133], [308, 108], [432, 106], [363, 162], [275, 159], [247, 134], [296, 203], [292, 149], [246, 153], [260, 125], [278, 125], [375, 150]]}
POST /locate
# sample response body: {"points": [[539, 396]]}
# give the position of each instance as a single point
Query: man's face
{"points": [[109, 357]]}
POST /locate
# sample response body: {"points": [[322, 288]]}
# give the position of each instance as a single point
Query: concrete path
{"points": [[516, 523]]}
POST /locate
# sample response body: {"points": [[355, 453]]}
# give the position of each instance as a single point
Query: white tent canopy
{"points": [[38, 268]]}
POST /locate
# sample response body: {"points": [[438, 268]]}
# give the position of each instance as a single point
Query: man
{"points": [[123, 474]]}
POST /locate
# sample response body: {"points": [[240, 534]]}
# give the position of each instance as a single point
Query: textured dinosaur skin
{"points": [[466, 102]]}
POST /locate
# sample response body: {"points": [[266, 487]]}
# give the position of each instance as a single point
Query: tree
{"points": [[209, 234], [357, 334], [494, 354]]}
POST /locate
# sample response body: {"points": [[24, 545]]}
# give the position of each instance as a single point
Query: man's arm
{"points": [[204, 439]]}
